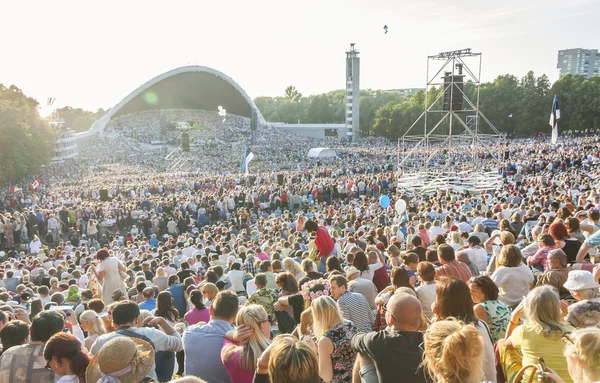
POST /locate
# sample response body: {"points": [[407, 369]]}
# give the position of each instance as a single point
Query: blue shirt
{"points": [[202, 344], [149, 305]]}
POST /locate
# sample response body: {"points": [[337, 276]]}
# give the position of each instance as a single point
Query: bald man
{"points": [[395, 351]]}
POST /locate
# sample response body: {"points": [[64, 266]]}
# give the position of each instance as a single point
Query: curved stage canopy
{"points": [[322, 153], [190, 87]]}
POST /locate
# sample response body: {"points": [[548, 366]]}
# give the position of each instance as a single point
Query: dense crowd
{"points": [[303, 271]]}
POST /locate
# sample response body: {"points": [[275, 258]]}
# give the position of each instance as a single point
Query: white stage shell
{"points": [[322, 153]]}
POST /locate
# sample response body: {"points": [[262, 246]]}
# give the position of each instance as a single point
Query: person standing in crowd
{"points": [[108, 272], [323, 241]]}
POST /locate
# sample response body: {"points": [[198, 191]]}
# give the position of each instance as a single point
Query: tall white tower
{"points": [[352, 94]]}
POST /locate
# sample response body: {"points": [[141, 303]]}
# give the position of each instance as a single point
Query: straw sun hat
{"points": [[122, 359]]}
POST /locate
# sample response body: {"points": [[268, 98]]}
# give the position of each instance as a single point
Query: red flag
{"points": [[14, 189], [35, 184]]}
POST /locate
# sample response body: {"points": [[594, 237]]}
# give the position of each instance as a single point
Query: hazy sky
{"points": [[92, 54]]}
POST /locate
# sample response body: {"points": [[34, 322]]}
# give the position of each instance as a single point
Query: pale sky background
{"points": [[92, 54]]}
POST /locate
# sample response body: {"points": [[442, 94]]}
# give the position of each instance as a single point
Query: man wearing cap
{"points": [[362, 286]]}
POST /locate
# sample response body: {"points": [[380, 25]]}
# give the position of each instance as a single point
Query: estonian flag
{"points": [[248, 156], [554, 117]]}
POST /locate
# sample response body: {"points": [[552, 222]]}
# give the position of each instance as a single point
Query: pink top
{"points": [[195, 316], [262, 256], [236, 373]]}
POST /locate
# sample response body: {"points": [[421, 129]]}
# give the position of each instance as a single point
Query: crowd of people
{"points": [[302, 272]]}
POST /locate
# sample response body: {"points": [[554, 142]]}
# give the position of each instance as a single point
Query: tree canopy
{"points": [[513, 105], [26, 139], [76, 118]]}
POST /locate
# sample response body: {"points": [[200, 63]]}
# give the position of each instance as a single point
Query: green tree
{"points": [[292, 94], [76, 118], [27, 140]]}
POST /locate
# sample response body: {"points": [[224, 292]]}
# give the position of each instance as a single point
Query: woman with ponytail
{"points": [[453, 352], [65, 357]]}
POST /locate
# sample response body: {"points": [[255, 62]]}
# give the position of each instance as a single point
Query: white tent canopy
{"points": [[322, 153]]}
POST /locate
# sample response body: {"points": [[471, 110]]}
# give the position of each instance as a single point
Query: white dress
{"points": [[112, 279]]}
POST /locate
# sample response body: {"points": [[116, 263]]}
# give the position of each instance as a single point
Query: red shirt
{"points": [[381, 278], [324, 242]]}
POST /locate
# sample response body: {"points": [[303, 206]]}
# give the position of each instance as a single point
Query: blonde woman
{"points": [[292, 267], [240, 360], [540, 335], [209, 292], [453, 352], [92, 324], [454, 240], [336, 357], [288, 360], [161, 279]]}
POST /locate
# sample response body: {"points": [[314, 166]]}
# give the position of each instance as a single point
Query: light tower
{"points": [[352, 94]]}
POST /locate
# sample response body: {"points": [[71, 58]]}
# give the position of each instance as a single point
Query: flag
{"points": [[35, 184], [14, 189], [248, 156], [554, 117]]}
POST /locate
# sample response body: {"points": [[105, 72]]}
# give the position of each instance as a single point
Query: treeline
{"points": [[76, 118], [513, 106], [26, 140]]}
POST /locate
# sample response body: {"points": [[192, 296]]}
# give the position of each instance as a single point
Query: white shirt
{"points": [[478, 256], [513, 283], [236, 277], [426, 294]]}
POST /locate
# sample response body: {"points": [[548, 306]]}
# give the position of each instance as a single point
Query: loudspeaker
{"points": [[185, 142], [103, 195], [279, 179], [454, 92], [506, 154]]}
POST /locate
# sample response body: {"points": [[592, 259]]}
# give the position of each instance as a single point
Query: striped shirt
{"points": [[355, 308], [454, 269]]}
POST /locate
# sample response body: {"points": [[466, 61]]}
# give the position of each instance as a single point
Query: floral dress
{"points": [[498, 317], [342, 357]]}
